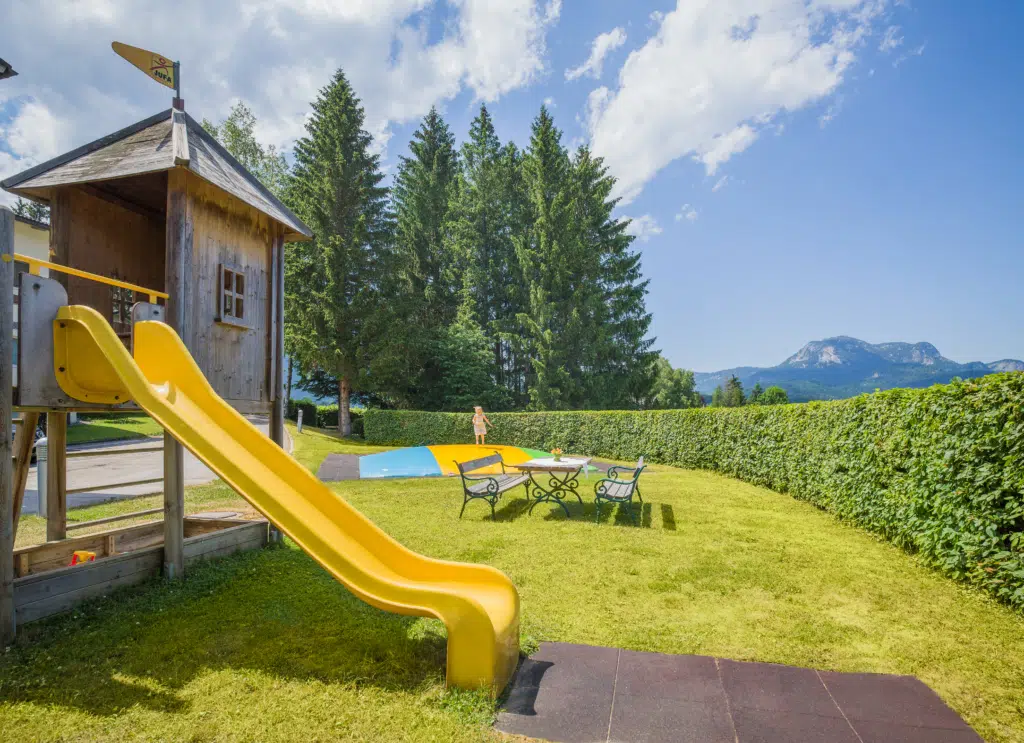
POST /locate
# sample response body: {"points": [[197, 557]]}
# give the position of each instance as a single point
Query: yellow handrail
{"points": [[34, 264]]}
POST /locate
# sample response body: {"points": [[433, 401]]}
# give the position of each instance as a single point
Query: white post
{"points": [[298, 422]]}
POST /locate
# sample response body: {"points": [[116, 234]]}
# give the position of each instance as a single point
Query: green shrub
{"points": [[938, 471], [322, 416]]}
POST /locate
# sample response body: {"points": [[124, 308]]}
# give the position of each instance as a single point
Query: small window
{"points": [[121, 301], [232, 291]]}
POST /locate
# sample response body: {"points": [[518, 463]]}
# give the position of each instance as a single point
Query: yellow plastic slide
{"points": [[478, 604]]}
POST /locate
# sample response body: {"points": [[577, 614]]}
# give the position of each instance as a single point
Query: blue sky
{"points": [[797, 168]]}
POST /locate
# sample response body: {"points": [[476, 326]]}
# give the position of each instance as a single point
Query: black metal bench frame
{"points": [[614, 490], [495, 484]]}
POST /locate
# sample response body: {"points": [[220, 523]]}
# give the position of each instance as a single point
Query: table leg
{"points": [[556, 490]]}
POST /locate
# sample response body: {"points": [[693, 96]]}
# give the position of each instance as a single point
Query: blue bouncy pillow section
{"points": [[416, 461]]}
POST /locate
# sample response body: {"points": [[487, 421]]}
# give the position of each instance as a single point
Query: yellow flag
{"points": [[158, 67]]}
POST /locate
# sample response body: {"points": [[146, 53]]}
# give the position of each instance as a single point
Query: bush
{"points": [[938, 471], [322, 416]]}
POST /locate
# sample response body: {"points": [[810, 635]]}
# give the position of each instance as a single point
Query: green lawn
{"points": [[265, 646], [113, 427]]}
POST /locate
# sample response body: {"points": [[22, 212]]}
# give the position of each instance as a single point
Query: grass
{"points": [[112, 428], [265, 646]]}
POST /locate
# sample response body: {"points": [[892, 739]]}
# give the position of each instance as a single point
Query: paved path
{"points": [[581, 694], [103, 470]]}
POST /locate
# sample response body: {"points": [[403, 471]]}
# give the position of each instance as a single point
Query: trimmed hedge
{"points": [[322, 416], [938, 471]]}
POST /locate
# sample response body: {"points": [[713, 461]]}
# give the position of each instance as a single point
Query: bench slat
{"points": [[477, 464]]}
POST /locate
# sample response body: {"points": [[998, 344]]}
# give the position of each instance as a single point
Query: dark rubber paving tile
{"points": [[768, 686], [572, 700], [585, 694], [902, 700], [647, 719], [887, 732], [669, 676], [773, 726]]}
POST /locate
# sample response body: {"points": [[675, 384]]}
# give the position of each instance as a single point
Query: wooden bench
{"points": [[486, 487], [616, 490]]}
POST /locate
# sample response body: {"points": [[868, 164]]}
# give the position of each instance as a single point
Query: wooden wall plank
{"points": [[45, 594], [229, 232], [73, 578]]}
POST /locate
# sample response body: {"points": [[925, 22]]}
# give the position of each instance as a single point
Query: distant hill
{"points": [[840, 367]]}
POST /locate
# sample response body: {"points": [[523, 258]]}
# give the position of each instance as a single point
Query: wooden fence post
{"points": [[7, 623], [56, 476]]}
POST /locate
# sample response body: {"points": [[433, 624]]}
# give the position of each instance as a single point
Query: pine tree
{"points": [[425, 186], [754, 398], [339, 285], [486, 211], [733, 395], [545, 255], [614, 352]]}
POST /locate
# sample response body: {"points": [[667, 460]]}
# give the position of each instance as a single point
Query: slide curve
{"points": [[478, 604]]}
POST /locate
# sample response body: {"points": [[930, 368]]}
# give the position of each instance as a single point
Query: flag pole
{"points": [[178, 103]]}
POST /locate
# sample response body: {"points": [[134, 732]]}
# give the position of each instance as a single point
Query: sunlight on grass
{"points": [[267, 646], [112, 428]]}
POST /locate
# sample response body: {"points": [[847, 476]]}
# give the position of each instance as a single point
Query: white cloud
{"points": [[549, 102], [890, 40], [643, 228], [599, 49], [274, 54], [688, 213], [715, 74], [720, 183]]}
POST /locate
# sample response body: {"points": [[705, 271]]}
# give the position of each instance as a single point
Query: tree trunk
{"points": [[344, 418]]}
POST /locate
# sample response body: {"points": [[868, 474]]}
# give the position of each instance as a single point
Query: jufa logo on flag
{"points": [[157, 66]]}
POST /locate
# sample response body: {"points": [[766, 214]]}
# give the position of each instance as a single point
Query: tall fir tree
{"points": [[425, 186], [615, 358], [545, 255], [339, 286], [486, 211]]}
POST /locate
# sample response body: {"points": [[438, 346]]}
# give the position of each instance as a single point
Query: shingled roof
{"points": [[161, 142]]}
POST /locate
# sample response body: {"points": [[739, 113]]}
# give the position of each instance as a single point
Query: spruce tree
{"points": [[545, 256], [613, 349], [424, 188], [339, 285], [486, 211]]}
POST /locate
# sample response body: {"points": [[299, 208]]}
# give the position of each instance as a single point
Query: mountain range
{"points": [[840, 367]]}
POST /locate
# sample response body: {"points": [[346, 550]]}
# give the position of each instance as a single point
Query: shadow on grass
{"points": [[272, 611]]}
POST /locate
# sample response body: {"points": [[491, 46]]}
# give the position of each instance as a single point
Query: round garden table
{"points": [[562, 478]]}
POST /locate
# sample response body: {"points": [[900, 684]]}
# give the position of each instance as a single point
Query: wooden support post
{"points": [[6, 401], [277, 408], [177, 282], [56, 476], [277, 411], [23, 442], [174, 508]]}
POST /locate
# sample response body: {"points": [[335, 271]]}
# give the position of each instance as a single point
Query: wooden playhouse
{"points": [[155, 221]]}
